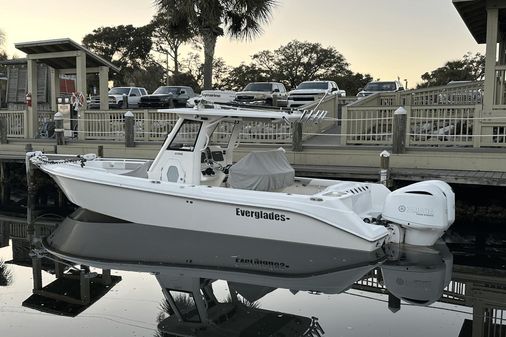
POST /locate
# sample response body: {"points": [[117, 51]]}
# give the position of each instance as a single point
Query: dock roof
{"points": [[59, 46], [474, 15]]}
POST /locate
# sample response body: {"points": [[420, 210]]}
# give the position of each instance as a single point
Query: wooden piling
{"points": [[385, 168], [100, 151], [129, 129], [58, 131], [297, 137], [399, 132]]}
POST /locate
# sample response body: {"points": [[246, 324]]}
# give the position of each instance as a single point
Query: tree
{"points": [[241, 19], [302, 61], [238, 77], [192, 72], [352, 82], [168, 37], [3, 54], [127, 47], [469, 68]]}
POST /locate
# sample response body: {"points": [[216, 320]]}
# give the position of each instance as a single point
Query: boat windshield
{"points": [[380, 86], [313, 85], [222, 134], [186, 136]]}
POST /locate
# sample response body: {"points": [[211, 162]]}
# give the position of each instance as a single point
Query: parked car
{"points": [[116, 97], [310, 91], [214, 96], [162, 97], [380, 86], [264, 93]]}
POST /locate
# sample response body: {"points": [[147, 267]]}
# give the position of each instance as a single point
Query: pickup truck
{"points": [[311, 91], [380, 86], [116, 97], [263, 93], [167, 96]]}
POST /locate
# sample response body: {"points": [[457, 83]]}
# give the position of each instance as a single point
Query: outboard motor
{"points": [[420, 213]]}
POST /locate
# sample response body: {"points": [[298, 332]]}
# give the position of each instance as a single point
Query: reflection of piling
{"points": [[37, 273], [4, 189], [3, 130], [394, 303], [31, 189]]}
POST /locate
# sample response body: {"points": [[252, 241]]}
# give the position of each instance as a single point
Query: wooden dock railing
{"points": [[446, 116]]}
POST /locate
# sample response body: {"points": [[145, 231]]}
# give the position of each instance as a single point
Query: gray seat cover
{"points": [[262, 171]]}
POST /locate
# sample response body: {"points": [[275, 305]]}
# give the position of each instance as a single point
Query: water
{"points": [[246, 287], [172, 282]]}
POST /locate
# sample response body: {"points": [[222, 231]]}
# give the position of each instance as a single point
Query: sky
{"points": [[388, 39]]}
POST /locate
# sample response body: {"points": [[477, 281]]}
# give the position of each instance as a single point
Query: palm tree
{"points": [[240, 19]]}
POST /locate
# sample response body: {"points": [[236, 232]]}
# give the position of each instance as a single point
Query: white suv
{"points": [[380, 86], [310, 91]]}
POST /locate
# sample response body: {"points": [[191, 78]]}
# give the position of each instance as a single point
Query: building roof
{"points": [[474, 15], [63, 45]]}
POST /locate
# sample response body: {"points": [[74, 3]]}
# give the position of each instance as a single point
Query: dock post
{"points": [[297, 137], [385, 168], [58, 128], [3, 130], [125, 101], [399, 132], [129, 129]]}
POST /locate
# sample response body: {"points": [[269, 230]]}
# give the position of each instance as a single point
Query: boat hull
{"points": [[207, 214]]}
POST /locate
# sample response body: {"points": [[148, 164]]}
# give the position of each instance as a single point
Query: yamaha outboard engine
{"points": [[420, 213]]}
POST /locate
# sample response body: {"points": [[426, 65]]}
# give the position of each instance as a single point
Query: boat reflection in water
{"points": [[187, 265]]}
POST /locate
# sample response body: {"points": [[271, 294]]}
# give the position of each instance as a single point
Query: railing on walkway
{"points": [[153, 125], [15, 123], [435, 117], [439, 116]]}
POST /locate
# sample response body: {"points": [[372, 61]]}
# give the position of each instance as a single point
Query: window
{"points": [[186, 136], [222, 134], [135, 92], [185, 305]]}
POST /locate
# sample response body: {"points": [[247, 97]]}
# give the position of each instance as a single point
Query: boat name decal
{"points": [[258, 262], [260, 215]]}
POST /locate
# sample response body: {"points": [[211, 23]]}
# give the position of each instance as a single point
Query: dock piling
{"points": [[58, 128], [385, 168], [129, 129], [399, 132]]}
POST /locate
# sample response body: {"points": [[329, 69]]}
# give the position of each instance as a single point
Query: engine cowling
{"points": [[424, 211]]}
